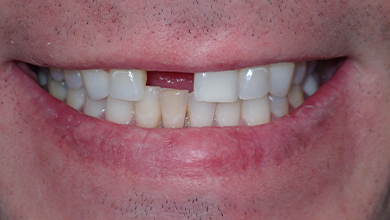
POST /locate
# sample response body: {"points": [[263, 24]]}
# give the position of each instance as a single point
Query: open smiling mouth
{"points": [[216, 116]]}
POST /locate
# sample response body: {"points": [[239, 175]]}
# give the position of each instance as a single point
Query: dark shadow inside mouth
{"points": [[327, 68]]}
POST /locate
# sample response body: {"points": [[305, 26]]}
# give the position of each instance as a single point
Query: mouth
{"points": [[202, 123]]}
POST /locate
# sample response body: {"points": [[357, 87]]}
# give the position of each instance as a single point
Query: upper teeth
{"points": [[253, 82], [216, 86], [127, 84], [226, 98]]}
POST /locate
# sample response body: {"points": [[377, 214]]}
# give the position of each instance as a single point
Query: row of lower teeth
{"points": [[251, 96]]}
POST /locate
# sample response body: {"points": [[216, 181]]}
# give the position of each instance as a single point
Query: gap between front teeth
{"points": [[250, 96]]}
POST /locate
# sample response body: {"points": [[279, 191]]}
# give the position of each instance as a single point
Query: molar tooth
{"points": [[216, 86], [119, 111], [94, 108], [279, 105], [57, 89], [73, 79], [254, 82], [173, 107], [201, 114], [295, 96], [42, 76], [256, 111], [147, 110], [299, 72], [310, 85], [127, 84], [228, 114], [280, 78], [57, 74], [76, 98], [96, 83]]}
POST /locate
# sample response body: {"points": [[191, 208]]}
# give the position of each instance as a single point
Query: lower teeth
{"points": [[170, 108]]}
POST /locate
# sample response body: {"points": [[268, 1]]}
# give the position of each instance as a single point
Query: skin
{"points": [[329, 159]]}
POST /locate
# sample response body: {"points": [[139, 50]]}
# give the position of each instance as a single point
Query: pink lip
{"points": [[191, 152]]}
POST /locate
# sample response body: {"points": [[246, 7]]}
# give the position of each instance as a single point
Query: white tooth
{"points": [[94, 108], [201, 114], [57, 74], [127, 84], [295, 96], [147, 110], [311, 65], [228, 114], [280, 78], [310, 85], [73, 79], [254, 82], [57, 90], [279, 105], [216, 86], [42, 77], [300, 72], [119, 111], [173, 107], [76, 98], [96, 83], [256, 111]]}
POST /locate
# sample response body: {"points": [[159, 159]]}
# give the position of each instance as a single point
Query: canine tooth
{"points": [[254, 82], [228, 114], [256, 111], [73, 79], [280, 78], [173, 107], [216, 86], [201, 114], [147, 110], [299, 72], [94, 108], [279, 105], [96, 83], [57, 74], [127, 84], [119, 111], [57, 89], [295, 96], [310, 85], [76, 98]]}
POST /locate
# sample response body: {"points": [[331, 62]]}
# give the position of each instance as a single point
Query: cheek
{"points": [[370, 117]]}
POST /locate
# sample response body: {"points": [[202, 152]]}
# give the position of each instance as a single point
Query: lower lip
{"points": [[190, 152]]}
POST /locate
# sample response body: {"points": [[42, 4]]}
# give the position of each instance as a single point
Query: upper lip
{"points": [[184, 56], [161, 65]]}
